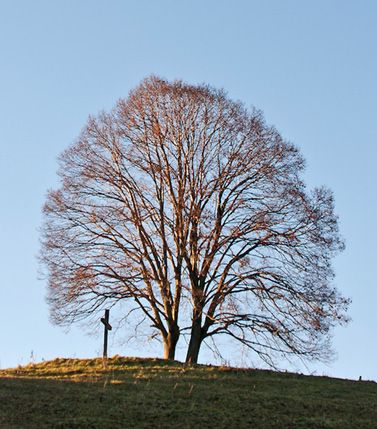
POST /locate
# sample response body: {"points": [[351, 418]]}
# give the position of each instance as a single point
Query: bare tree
{"points": [[181, 198]]}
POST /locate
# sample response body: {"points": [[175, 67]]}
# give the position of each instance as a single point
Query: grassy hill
{"points": [[151, 393]]}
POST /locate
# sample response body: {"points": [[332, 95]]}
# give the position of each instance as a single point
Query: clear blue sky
{"points": [[310, 66]]}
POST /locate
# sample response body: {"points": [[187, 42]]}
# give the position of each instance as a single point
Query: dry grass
{"points": [[152, 393]]}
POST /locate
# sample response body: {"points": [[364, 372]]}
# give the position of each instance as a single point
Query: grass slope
{"points": [[151, 393]]}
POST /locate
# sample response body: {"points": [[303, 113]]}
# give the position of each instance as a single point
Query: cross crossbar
{"points": [[106, 323]]}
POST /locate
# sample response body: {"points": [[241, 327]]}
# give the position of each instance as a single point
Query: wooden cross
{"points": [[108, 327]]}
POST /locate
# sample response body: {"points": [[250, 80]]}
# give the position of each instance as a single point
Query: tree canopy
{"points": [[187, 206]]}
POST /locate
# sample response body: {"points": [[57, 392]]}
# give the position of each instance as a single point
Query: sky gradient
{"points": [[311, 67]]}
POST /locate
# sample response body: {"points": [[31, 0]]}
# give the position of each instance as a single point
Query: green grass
{"points": [[152, 393]]}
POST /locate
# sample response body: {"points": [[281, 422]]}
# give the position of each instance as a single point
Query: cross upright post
{"points": [[107, 328]]}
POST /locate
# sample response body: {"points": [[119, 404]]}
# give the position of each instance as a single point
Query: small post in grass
{"points": [[107, 328]]}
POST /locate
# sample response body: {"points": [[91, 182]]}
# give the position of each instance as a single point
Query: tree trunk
{"points": [[170, 343], [195, 342]]}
